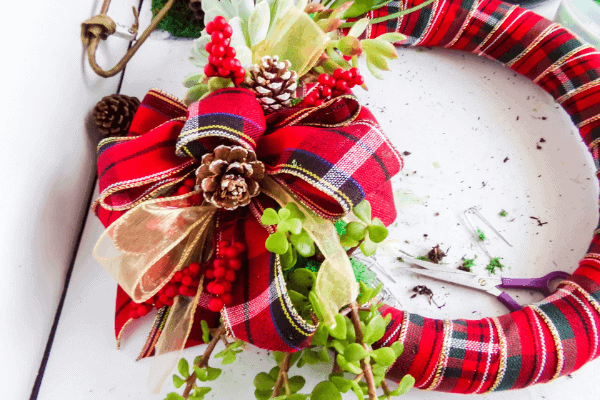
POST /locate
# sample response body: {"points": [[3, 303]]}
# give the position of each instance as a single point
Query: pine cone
{"points": [[113, 114], [228, 176], [196, 7], [273, 83]]}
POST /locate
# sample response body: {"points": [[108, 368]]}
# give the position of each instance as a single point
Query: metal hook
{"points": [[473, 210]]}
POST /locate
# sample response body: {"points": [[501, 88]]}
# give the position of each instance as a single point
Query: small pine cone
{"points": [[113, 114], [273, 83], [196, 7], [228, 176]]}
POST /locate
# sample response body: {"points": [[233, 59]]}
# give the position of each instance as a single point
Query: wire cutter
{"points": [[488, 284]]}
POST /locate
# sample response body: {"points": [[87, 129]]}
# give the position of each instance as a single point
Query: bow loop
{"points": [[228, 114]]}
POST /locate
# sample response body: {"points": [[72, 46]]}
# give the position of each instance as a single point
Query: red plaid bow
{"points": [[331, 158]]}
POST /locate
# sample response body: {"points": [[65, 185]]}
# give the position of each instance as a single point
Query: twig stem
{"points": [[191, 380], [282, 379], [366, 366]]}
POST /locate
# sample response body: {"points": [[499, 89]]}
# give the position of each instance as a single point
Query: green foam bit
{"points": [[340, 227], [362, 274], [179, 20]]}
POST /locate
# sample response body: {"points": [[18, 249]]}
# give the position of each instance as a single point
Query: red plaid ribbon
{"points": [[331, 158]]}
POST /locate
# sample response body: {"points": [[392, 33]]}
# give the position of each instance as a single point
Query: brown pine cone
{"points": [[196, 7], [113, 114], [228, 176], [273, 83]]}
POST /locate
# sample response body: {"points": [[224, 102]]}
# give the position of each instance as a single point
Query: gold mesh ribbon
{"points": [[336, 285], [146, 246]]}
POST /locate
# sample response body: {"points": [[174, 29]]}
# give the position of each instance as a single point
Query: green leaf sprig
{"points": [[290, 239], [365, 234]]}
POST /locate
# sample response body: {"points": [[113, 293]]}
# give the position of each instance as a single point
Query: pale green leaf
{"points": [[277, 243], [356, 230], [258, 23], [193, 80], [183, 367], [201, 373], [367, 247], [392, 37], [342, 384], [384, 356], [363, 211], [229, 358], [205, 332], [398, 348], [405, 385], [269, 217], [289, 259], [303, 277], [347, 241], [295, 211], [355, 352], [376, 72], [380, 48], [374, 330], [304, 244], [264, 381], [284, 213], [213, 373], [178, 381], [339, 330], [359, 27], [325, 391], [174, 396], [377, 233]]}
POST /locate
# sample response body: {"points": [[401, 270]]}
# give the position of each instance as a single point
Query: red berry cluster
{"points": [[222, 274], [221, 59], [332, 86], [184, 283]]}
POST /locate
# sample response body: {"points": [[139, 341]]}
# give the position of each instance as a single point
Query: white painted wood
{"points": [[457, 116], [46, 168]]}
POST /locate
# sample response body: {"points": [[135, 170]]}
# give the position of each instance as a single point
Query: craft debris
{"points": [[422, 290], [436, 255], [540, 223], [468, 264], [494, 264], [503, 213]]}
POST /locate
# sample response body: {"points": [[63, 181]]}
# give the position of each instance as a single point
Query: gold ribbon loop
{"points": [[146, 246]]}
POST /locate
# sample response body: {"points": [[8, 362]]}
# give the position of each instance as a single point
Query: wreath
{"points": [[236, 212]]}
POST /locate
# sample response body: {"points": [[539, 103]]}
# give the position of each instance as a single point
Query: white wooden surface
{"points": [[46, 169], [457, 116]]}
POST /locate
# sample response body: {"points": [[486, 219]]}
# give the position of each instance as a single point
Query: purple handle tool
{"points": [[508, 301], [541, 285]]}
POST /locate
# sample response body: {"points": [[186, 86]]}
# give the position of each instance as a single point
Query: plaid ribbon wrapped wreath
{"points": [[330, 158], [542, 342], [558, 335]]}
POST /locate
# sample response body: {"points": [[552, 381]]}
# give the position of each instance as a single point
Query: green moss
{"points": [[468, 264], [423, 258], [494, 264], [180, 20], [340, 227], [481, 235], [503, 213], [362, 274]]}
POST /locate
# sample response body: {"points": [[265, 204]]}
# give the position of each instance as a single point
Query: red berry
{"points": [[351, 84], [210, 274], [192, 292], [210, 27], [323, 79], [347, 75], [240, 247], [220, 272], [183, 190], [309, 101], [163, 298], [196, 199], [217, 37], [331, 82], [230, 275], [216, 61], [210, 287], [223, 243], [218, 288], [239, 72], [355, 72], [208, 47], [177, 276], [230, 52], [226, 297], [341, 85], [226, 42], [210, 70], [234, 264], [228, 63], [326, 91], [159, 304], [195, 283], [359, 80], [218, 50], [220, 263], [337, 74], [143, 310], [186, 271], [169, 302], [186, 281], [190, 182], [227, 31], [318, 103], [224, 72], [215, 304], [172, 290], [133, 314], [194, 268], [238, 79], [219, 23], [230, 252], [226, 286], [313, 96], [183, 290]]}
